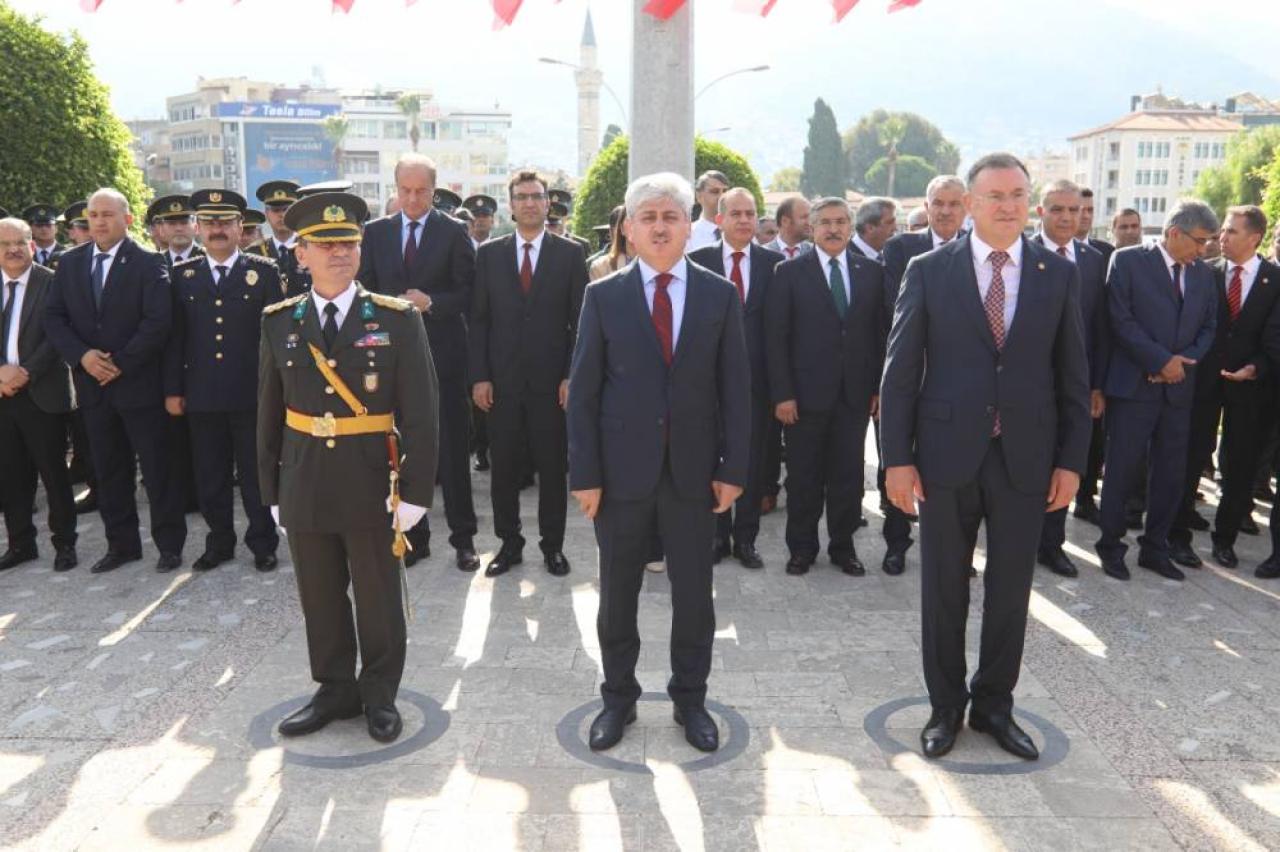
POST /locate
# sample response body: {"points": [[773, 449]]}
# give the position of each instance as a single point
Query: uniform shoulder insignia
{"points": [[391, 302], [259, 258], [284, 303], [189, 261]]}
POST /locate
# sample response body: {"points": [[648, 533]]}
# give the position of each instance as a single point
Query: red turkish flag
{"points": [[843, 7], [505, 11], [90, 5], [755, 7], [663, 9], [344, 5], [899, 5]]}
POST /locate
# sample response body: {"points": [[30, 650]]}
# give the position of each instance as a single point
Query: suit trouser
{"points": [[325, 565], [1136, 431], [624, 529], [453, 470], [825, 451], [34, 441], [223, 441], [1202, 439], [81, 460], [1244, 431], [116, 435], [949, 521], [522, 425], [182, 462], [897, 526], [772, 475], [1093, 464], [479, 431], [742, 522]]}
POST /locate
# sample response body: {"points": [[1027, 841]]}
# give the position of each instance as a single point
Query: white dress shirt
{"points": [[938, 241], [106, 263], [1169, 263], [536, 242], [1053, 247], [343, 300], [11, 351], [703, 234], [283, 248], [865, 248], [41, 250], [1248, 275], [787, 251], [178, 258], [675, 290], [744, 265], [404, 231], [227, 264], [1010, 273], [825, 260]]}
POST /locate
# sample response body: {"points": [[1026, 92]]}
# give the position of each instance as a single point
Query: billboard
{"points": [[262, 109], [286, 151]]}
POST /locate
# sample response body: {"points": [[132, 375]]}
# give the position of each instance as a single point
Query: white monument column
{"points": [[661, 93]]}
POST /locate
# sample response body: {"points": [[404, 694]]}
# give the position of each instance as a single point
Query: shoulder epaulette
{"points": [[392, 302], [284, 303], [254, 257], [195, 258]]}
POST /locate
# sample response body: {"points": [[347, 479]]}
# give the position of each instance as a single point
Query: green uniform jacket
{"points": [[330, 485]]}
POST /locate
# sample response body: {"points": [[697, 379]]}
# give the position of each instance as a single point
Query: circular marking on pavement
{"points": [[430, 718], [733, 742], [1054, 744]]}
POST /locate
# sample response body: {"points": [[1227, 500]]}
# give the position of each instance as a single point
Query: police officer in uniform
{"points": [[177, 224], [276, 197], [77, 223], [211, 365], [560, 209], [347, 443], [250, 235], [482, 209], [43, 219]]}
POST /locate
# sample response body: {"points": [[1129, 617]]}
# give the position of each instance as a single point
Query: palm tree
{"points": [[411, 106], [336, 128], [892, 131]]}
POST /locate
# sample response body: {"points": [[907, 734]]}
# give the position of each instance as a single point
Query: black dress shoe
{"points": [[895, 562], [1225, 555], [265, 561], [1114, 567], [1006, 733], [720, 551], [1161, 565], [112, 561], [1057, 562], [798, 565], [850, 564], [1088, 512], [1268, 570], [502, 562], [385, 724], [310, 719], [65, 559], [467, 560], [939, 734], [1198, 522], [13, 558], [209, 560], [748, 556], [1249, 526], [607, 728], [557, 564], [86, 503], [700, 729], [417, 554], [482, 462], [168, 562], [1184, 555]]}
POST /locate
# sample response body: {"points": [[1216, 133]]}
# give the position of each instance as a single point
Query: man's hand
{"points": [[1062, 488], [589, 501], [98, 364], [482, 395], [12, 378], [1174, 371], [175, 405], [564, 393], [1247, 373], [725, 495], [420, 300], [902, 484], [875, 407], [787, 412], [1097, 404]]}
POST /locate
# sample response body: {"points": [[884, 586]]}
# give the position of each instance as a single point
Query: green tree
{"points": [[1271, 198], [867, 141], [824, 163], [605, 183], [411, 106], [611, 133], [1241, 179], [61, 138], [913, 175], [786, 180], [336, 127]]}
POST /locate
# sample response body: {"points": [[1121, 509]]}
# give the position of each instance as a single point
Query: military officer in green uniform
{"points": [[347, 443]]}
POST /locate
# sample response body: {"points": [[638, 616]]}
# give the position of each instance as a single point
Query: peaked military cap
{"points": [[253, 218], [325, 186], [75, 215], [562, 197], [278, 193], [40, 214], [446, 200], [218, 204], [170, 207], [327, 217], [556, 211], [480, 205]]}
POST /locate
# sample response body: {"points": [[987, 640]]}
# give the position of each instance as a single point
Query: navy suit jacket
{"points": [[49, 382], [132, 325], [899, 251], [1094, 317], [762, 262], [944, 380], [813, 356], [1240, 343], [1148, 327], [627, 408]]}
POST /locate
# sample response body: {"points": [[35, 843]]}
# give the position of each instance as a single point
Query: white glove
{"points": [[275, 516], [409, 515]]}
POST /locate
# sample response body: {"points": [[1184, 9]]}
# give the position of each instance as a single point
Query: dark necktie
{"points": [[99, 279], [44, 257], [1177, 283], [735, 275], [836, 280], [411, 244], [994, 306], [222, 273], [526, 269], [1235, 291], [10, 296], [662, 317], [330, 325], [1062, 251], [177, 258]]}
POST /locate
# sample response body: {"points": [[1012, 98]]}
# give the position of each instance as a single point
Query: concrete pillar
{"points": [[661, 93]]}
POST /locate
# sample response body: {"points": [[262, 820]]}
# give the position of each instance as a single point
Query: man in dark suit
{"points": [[426, 257], [35, 397], [1085, 230], [659, 407], [984, 417], [825, 322], [1059, 212], [750, 269], [211, 372], [528, 294], [109, 315], [874, 222], [43, 219], [1163, 312], [1232, 381]]}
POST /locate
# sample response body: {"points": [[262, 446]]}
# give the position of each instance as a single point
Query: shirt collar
{"points": [[865, 247], [937, 240], [229, 263], [1168, 258], [679, 272], [728, 254], [825, 258], [981, 251], [536, 242], [405, 220], [1250, 266], [113, 251], [343, 300], [1052, 246], [21, 279]]}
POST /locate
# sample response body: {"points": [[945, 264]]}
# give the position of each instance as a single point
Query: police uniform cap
{"points": [[327, 217], [557, 210], [446, 200], [480, 205], [170, 207], [40, 214], [562, 197], [278, 193], [324, 186], [74, 215], [218, 204], [253, 218]]}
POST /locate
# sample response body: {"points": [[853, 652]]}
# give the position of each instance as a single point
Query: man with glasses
{"points": [[707, 190]]}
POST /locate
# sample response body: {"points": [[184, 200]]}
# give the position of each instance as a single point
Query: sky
{"points": [[1019, 75]]}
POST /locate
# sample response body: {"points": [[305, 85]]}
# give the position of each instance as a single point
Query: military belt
{"points": [[329, 426]]}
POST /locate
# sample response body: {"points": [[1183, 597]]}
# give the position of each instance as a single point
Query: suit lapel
{"points": [[635, 286], [35, 293], [114, 274], [1031, 291], [1156, 259], [819, 275], [426, 240], [755, 295], [513, 257], [1263, 281], [693, 301], [969, 297], [546, 255]]}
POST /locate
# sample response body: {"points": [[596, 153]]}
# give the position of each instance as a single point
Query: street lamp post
{"points": [[618, 101], [752, 70]]}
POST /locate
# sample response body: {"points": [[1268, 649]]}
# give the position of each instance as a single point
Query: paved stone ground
{"points": [[137, 711]]}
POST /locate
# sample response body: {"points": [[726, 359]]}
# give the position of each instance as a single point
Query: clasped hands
{"points": [[99, 365], [12, 379]]}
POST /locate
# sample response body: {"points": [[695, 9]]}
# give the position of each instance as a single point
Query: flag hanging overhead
{"points": [[899, 5], [663, 9], [754, 7], [344, 5], [843, 7], [90, 5], [505, 12]]}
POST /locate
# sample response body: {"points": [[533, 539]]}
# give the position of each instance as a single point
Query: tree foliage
{"points": [[61, 139], [605, 183], [611, 133], [871, 138], [824, 163], [1242, 177], [786, 180], [913, 175], [1271, 198]]}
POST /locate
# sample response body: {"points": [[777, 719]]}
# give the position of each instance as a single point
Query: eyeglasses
{"points": [[520, 197], [5, 245], [1019, 197], [1200, 241]]}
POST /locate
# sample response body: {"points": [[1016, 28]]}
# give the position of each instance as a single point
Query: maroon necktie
{"points": [[1062, 251], [662, 322], [526, 270], [1234, 291], [791, 252], [994, 305], [411, 244], [735, 275]]}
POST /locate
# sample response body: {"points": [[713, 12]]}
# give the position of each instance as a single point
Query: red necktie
{"points": [[1234, 291], [662, 322], [994, 305], [791, 252], [411, 244], [735, 275], [1062, 251], [526, 269]]}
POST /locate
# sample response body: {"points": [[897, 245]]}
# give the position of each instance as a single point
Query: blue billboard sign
{"points": [[264, 109], [287, 151]]}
